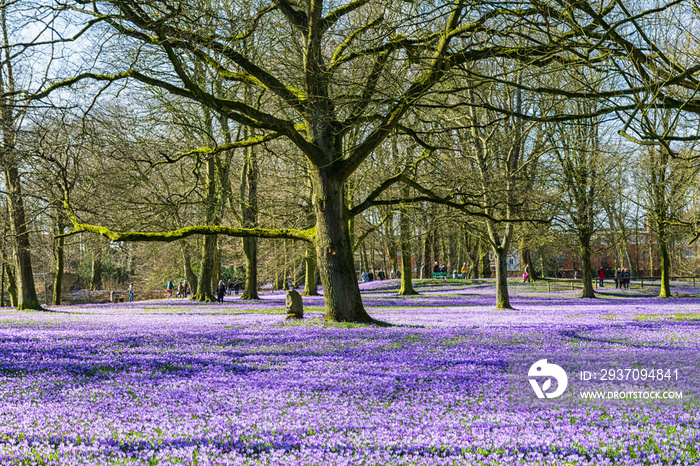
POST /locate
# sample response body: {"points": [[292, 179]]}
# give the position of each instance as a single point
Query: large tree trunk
{"points": [[250, 248], [310, 285], [341, 292], [664, 262], [204, 290], [585, 250], [24, 277], [405, 239], [502, 298], [249, 179]]}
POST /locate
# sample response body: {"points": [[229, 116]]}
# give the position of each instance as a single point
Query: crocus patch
{"points": [[176, 382]]}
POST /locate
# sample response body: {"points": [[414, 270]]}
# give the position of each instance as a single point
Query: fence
{"points": [[573, 283]]}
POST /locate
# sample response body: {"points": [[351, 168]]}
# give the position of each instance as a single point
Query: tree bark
{"points": [[484, 262], [310, 285], [502, 298], [96, 270], [24, 276], [204, 289], [250, 248], [26, 297], [405, 239], [586, 271], [664, 262], [216, 264], [11, 286], [58, 256], [341, 292], [249, 211], [189, 273]]}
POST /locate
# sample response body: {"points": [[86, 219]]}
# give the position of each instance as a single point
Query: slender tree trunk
{"points": [[58, 257], [391, 244], [96, 270], [664, 262], [285, 268], [341, 292], [526, 258], [11, 285], [310, 286], [249, 179], [426, 270], [216, 264], [484, 262], [189, 273]]}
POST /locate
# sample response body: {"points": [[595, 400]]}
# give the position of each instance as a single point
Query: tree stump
{"points": [[295, 306]]}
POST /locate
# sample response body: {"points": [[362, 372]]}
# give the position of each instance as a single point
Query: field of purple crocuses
{"points": [[176, 382]]}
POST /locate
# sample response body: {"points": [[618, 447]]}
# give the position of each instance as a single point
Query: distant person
{"points": [[464, 271], [186, 289], [364, 276], [180, 289], [229, 287], [436, 268], [370, 276], [131, 292], [625, 278], [528, 272], [236, 286], [169, 289], [618, 278], [526, 277], [392, 274], [601, 276], [220, 291], [381, 274], [443, 268]]}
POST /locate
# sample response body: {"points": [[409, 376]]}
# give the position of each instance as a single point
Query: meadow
{"points": [[176, 382]]}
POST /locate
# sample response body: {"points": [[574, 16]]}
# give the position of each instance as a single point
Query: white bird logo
{"points": [[544, 369]]}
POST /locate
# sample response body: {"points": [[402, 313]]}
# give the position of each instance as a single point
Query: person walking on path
{"points": [[131, 292], [464, 271], [601, 276], [526, 275], [169, 289], [220, 291]]}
